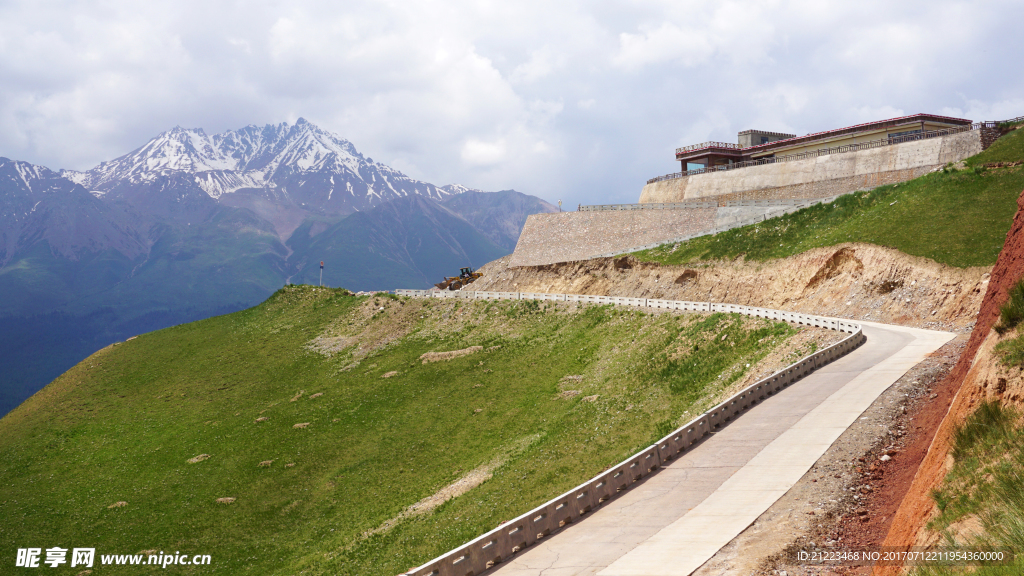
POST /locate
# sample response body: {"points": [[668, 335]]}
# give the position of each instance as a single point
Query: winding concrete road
{"points": [[680, 517]]}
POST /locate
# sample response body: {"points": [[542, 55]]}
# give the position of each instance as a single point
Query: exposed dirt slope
{"points": [[978, 376], [861, 281]]}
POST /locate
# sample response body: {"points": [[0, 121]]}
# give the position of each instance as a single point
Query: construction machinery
{"points": [[466, 276]]}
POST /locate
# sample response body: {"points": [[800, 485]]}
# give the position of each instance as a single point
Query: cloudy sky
{"points": [[572, 100]]}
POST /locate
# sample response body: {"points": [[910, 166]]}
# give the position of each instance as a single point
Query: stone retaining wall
{"points": [[828, 188], [570, 236], [823, 176], [574, 236]]}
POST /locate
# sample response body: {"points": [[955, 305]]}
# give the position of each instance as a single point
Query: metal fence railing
{"points": [[650, 206], [703, 204], [702, 145]]}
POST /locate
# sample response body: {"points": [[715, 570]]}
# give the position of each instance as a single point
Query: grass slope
{"points": [[984, 490], [123, 424], [955, 217]]}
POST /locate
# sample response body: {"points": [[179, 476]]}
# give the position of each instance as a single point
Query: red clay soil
{"points": [[889, 481], [916, 506]]}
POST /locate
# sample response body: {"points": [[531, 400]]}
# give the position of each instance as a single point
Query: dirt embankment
{"points": [[977, 376], [853, 280]]}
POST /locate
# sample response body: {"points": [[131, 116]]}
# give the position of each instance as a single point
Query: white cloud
{"points": [[586, 100], [480, 153], [667, 42], [542, 63], [987, 110]]}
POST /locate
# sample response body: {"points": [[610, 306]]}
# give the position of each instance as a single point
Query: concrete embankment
{"points": [[571, 236], [566, 236], [821, 176]]}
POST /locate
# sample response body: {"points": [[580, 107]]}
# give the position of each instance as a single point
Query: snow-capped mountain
{"points": [[38, 205], [300, 164], [190, 225]]}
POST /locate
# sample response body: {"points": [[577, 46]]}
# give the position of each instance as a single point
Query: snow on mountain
{"points": [[178, 150], [40, 205], [453, 189], [312, 167]]}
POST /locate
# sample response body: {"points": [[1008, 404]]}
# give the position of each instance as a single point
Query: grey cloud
{"points": [[577, 100]]}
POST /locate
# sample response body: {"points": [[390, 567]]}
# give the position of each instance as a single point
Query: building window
{"points": [[907, 133], [764, 139], [694, 166]]}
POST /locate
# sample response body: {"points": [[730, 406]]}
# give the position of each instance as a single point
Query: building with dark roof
{"points": [[758, 144]]}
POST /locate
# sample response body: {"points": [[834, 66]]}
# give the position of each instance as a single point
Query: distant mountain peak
{"points": [[458, 189], [300, 166]]}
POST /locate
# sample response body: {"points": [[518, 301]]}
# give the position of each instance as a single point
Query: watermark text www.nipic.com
{"points": [[86, 557]]}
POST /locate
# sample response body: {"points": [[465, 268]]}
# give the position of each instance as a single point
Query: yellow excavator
{"points": [[466, 276]]}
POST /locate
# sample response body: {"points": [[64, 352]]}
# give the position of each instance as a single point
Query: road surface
{"points": [[677, 519]]}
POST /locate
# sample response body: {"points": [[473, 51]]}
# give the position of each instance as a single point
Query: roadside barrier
{"points": [[767, 203], [500, 544]]}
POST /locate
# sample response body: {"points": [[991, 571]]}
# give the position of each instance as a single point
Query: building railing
{"points": [[702, 145], [703, 204], [650, 206], [834, 150], [500, 544]]}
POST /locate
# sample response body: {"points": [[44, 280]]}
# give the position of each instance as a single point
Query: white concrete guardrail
{"points": [[500, 544]]}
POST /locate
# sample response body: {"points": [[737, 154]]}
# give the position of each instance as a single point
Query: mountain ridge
{"points": [[316, 168], [190, 225]]}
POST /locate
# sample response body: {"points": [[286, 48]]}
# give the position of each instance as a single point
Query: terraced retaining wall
{"points": [[827, 175], [485, 552], [619, 228], [569, 236]]}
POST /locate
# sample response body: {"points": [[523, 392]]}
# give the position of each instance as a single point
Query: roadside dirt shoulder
{"points": [[849, 497]]}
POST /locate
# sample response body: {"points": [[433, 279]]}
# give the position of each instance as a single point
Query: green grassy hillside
{"points": [[981, 499], [316, 413], [955, 217]]}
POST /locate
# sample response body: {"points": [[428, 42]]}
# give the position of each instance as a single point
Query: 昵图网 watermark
{"points": [[86, 557]]}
